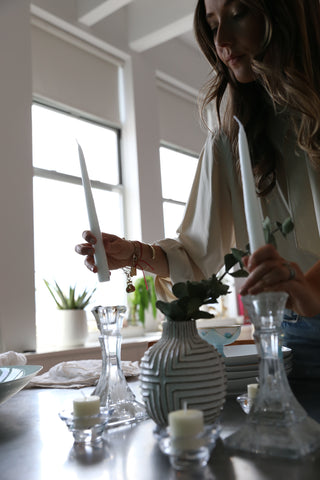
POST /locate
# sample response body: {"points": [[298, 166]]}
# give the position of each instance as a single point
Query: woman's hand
{"points": [[119, 251], [268, 271], [125, 253]]}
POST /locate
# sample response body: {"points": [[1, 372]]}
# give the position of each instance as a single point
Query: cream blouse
{"points": [[214, 219]]}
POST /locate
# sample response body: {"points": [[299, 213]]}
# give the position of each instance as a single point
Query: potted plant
{"points": [[142, 304], [181, 366], [71, 328]]}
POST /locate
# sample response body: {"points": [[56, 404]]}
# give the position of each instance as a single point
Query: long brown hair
{"points": [[287, 80]]}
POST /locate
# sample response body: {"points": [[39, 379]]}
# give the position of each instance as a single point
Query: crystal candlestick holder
{"points": [[112, 388], [277, 425], [86, 430], [191, 453]]}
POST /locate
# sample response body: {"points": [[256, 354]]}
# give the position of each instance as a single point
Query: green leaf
{"points": [[172, 310], [54, 298], [239, 254], [287, 226], [63, 299], [180, 289], [240, 274], [69, 302], [202, 314], [230, 261]]}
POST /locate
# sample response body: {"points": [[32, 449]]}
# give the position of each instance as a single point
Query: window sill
{"points": [[132, 349]]}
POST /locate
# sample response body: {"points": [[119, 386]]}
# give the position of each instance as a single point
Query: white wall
{"points": [[17, 324], [140, 142]]}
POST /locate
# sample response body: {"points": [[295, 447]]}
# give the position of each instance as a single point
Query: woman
{"points": [[261, 53]]}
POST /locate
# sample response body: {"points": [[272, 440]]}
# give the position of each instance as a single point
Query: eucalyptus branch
{"points": [[192, 295]]}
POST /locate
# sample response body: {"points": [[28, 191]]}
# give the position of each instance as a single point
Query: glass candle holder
{"points": [[277, 425], [245, 402], [188, 453], [112, 388], [86, 429]]}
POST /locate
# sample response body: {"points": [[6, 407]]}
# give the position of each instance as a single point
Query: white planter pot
{"points": [[151, 324], [182, 367], [71, 328]]}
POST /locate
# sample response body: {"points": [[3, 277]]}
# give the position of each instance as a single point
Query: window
{"points": [[60, 213], [177, 173]]}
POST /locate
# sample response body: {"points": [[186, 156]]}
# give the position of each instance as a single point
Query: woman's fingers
{"points": [[271, 274], [263, 254], [84, 249], [89, 263], [88, 236], [118, 250]]}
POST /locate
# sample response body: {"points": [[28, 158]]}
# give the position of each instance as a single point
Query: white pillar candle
{"points": [[84, 407], [100, 254], [251, 205], [184, 427], [252, 389]]}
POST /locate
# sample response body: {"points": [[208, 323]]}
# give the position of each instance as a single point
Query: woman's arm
{"points": [[268, 271], [125, 253]]}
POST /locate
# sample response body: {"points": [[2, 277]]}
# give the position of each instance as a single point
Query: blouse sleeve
{"points": [[206, 233]]}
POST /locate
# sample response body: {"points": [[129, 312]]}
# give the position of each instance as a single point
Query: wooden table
{"points": [[36, 445]]}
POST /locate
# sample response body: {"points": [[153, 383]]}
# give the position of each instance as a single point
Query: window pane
{"points": [[59, 218], [54, 145], [173, 215], [177, 173]]}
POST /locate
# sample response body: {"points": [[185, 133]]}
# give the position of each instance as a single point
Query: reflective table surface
{"points": [[36, 445]]}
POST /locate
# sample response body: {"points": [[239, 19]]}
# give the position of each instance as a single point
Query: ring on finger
{"points": [[292, 272]]}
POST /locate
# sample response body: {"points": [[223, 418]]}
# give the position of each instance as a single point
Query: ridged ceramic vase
{"points": [[182, 367]]}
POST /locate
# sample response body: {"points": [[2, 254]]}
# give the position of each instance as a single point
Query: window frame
{"points": [[74, 179], [55, 175]]}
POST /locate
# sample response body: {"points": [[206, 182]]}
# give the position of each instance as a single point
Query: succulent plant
{"points": [[70, 301]]}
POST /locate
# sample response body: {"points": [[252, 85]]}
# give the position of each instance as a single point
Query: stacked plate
{"points": [[242, 366]]}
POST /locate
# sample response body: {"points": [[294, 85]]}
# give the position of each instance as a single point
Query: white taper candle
{"points": [[251, 205], [100, 254]]}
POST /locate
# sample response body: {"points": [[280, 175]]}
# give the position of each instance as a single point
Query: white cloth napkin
{"points": [[78, 374], [12, 358]]}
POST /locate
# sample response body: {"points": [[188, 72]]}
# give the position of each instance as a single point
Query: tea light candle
{"points": [[252, 389], [86, 411], [251, 205], [86, 406], [100, 254], [184, 426]]}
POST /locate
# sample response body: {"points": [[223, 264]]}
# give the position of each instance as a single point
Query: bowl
{"points": [[14, 378]]}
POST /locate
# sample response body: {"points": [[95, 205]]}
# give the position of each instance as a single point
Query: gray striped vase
{"points": [[182, 367]]}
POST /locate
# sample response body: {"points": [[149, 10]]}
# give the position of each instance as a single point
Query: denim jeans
{"points": [[302, 335]]}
